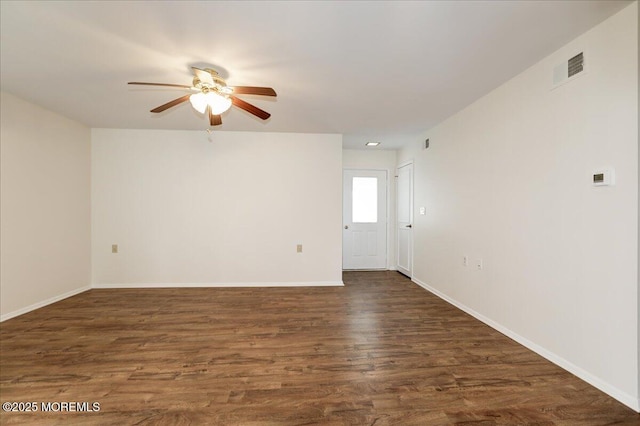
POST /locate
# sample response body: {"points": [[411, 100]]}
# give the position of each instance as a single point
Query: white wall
{"points": [[186, 211], [507, 180], [377, 159], [44, 207]]}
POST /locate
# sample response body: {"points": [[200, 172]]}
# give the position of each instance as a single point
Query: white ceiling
{"points": [[371, 70]]}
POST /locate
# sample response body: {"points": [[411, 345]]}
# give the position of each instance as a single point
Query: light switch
{"points": [[423, 210], [114, 248], [299, 248]]}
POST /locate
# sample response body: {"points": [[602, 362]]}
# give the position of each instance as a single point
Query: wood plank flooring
{"points": [[379, 351]]}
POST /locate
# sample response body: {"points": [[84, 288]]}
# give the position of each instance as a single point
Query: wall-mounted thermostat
{"points": [[604, 178]]}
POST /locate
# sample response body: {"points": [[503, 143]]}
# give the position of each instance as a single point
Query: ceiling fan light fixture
{"points": [[198, 102], [217, 103], [213, 94]]}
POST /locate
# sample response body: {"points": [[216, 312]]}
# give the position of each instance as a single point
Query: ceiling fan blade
{"points": [[250, 90], [173, 103], [250, 108], [160, 84], [214, 120], [203, 76]]}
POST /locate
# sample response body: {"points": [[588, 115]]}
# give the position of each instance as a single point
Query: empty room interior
{"points": [[345, 213]]}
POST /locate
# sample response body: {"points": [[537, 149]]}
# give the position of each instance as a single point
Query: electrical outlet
{"points": [[299, 248], [465, 260], [114, 248], [479, 265]]}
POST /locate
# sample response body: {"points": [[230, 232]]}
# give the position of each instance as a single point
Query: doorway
{"points": [[364, 219]]}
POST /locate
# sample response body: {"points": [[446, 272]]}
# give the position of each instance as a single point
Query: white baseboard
{"points": [[628, 400], [43, 303], [222, 285]]}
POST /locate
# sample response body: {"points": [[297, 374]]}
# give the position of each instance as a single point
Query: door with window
{"points": [[364, 217]]}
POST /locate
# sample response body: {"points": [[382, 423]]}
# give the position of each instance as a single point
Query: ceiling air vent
{"points": [[576, 64], [568, 70]]}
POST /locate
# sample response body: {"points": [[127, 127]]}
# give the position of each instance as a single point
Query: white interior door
{"points": [[404, 230], [364, 217]]}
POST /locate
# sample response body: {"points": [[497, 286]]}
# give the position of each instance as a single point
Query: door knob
{"points": [[346, 227], [408, 226]]}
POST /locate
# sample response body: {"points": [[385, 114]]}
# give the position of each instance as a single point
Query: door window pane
{"points": [[365, 200]]}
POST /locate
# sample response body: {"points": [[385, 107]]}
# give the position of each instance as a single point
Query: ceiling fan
{"points": [[212, 95]]}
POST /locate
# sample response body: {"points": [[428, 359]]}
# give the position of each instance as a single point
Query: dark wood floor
{"points": [[380, 350]]}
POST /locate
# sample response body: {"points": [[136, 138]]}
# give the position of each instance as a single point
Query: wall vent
{"points": [[576, 64], [568, 70]]}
